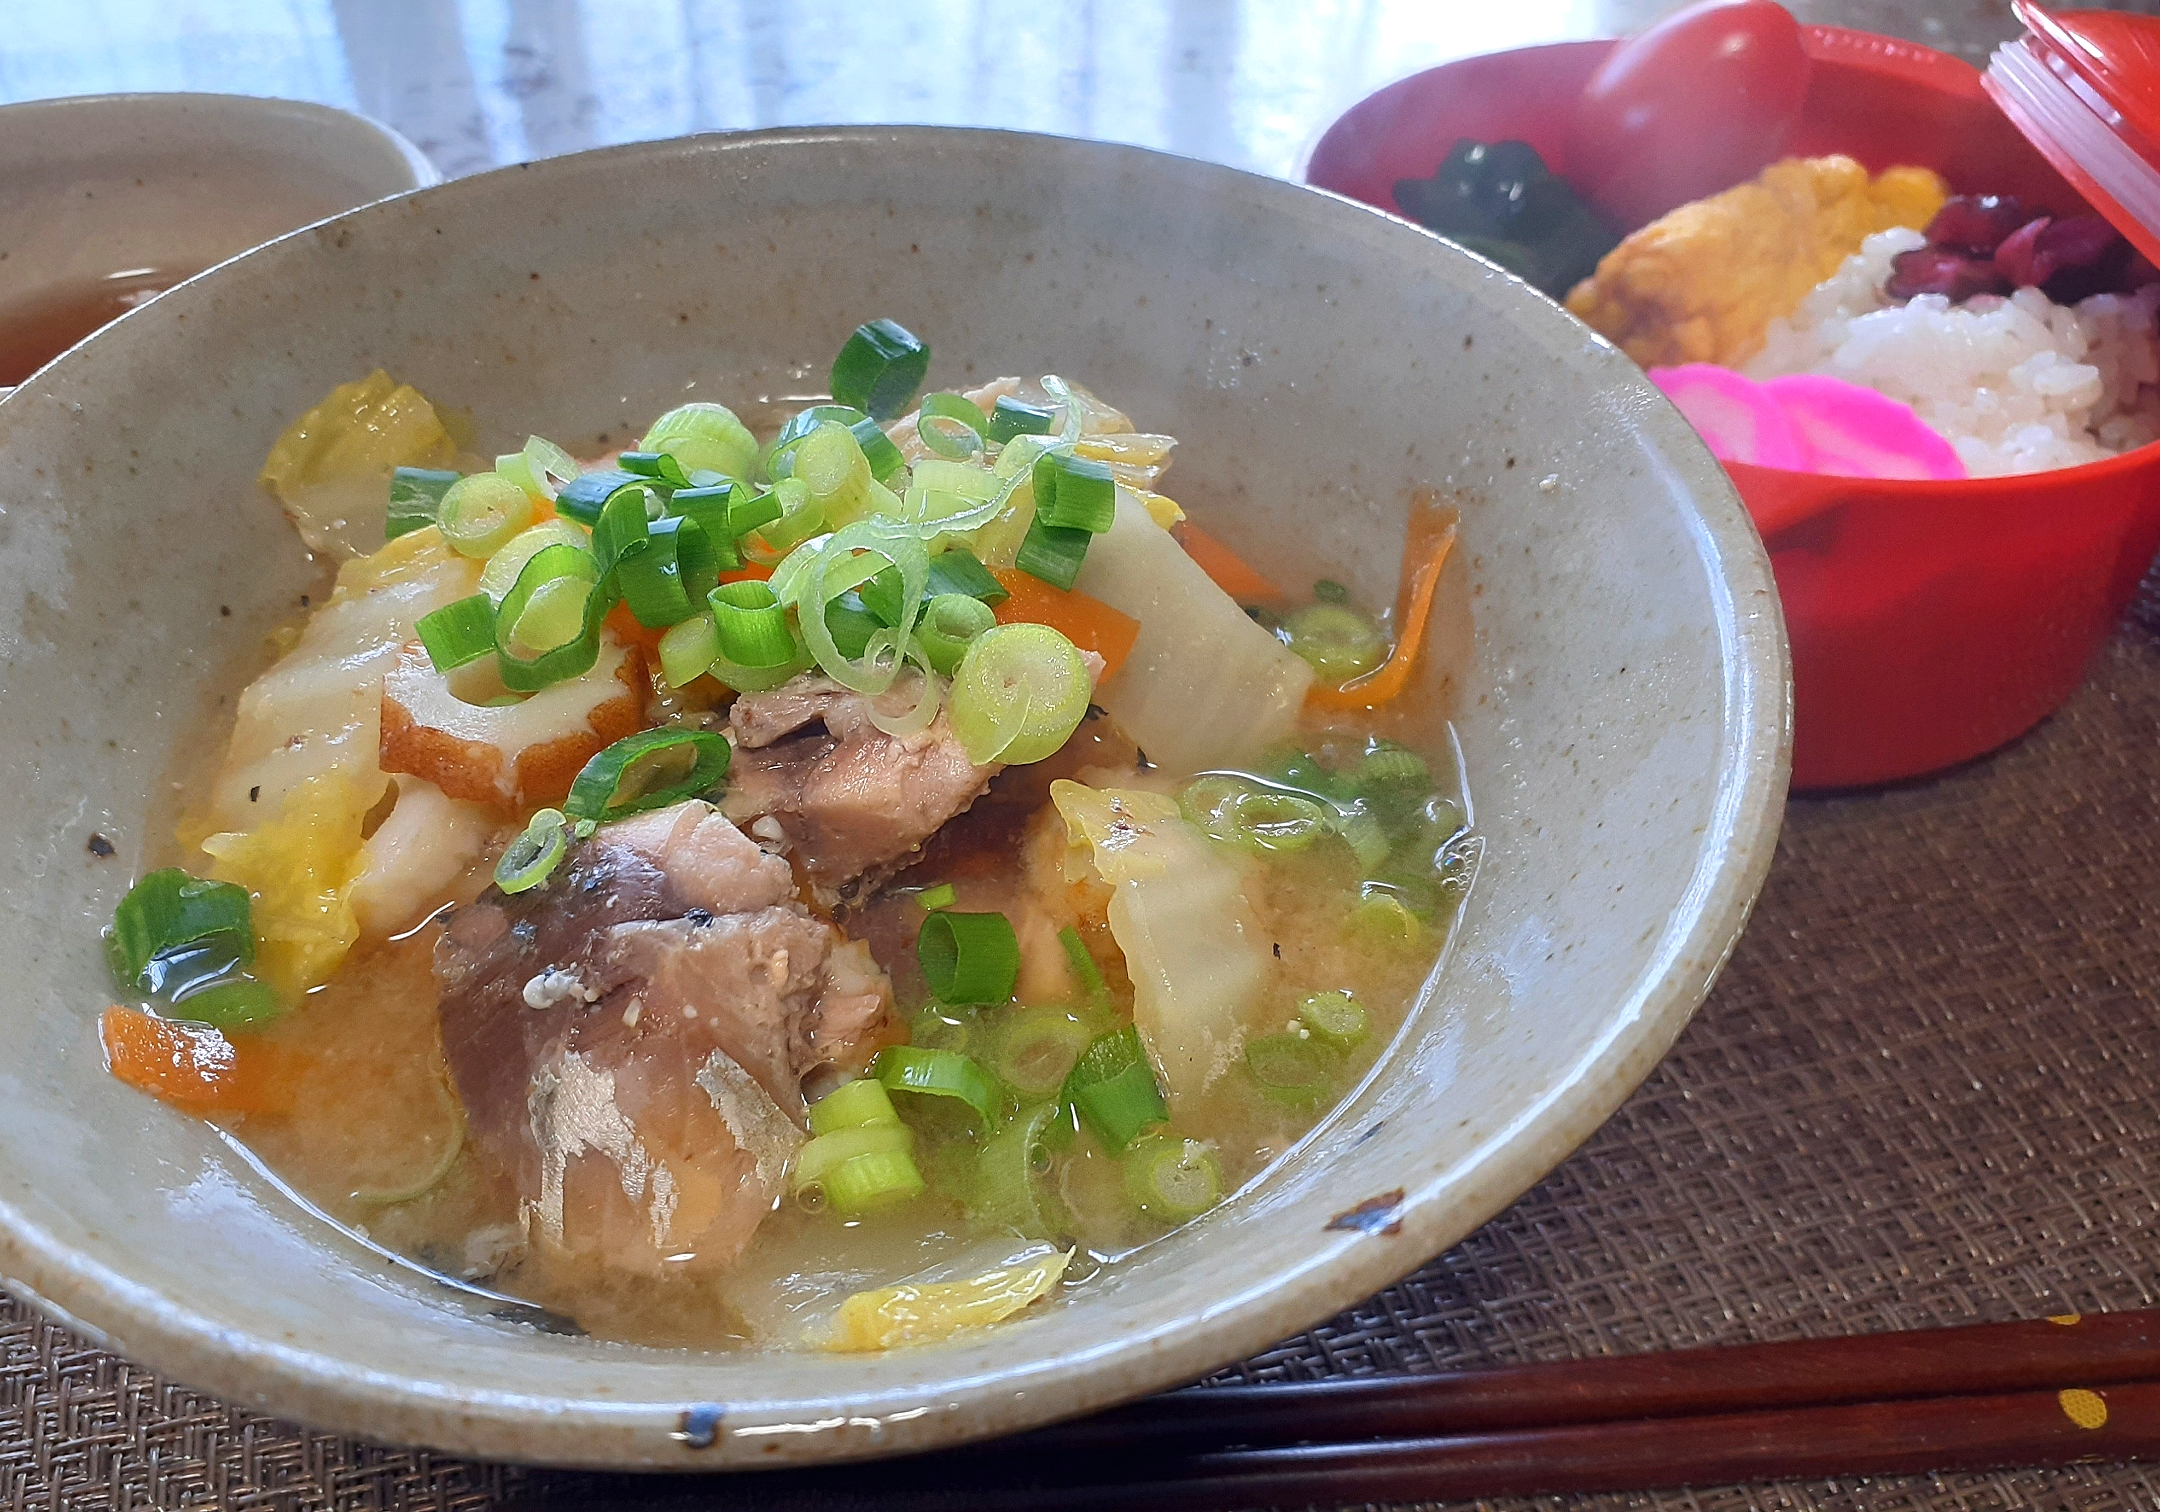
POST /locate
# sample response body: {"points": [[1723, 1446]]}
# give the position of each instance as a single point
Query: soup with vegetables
{"points": [[831, 887]]}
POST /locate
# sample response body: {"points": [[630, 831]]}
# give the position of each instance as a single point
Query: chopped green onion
{"points": [[852, 1105], [547, 628], [828, 1152], [880, 369], [416, 495], [1037, 1049], [169, 912], [1010, 417], [968, 957], [940, 1026], [1339, 642], [625, 521], [1053, 553], [851, 625], [533, 856], [700, 556], [501, 573], [1289, 1068], [458, 633], [481, 513], [648, 770], [1363, 833], [871, 1183], [1381, 915], [934, 898], [952, 426], [780, 458], [704, 437], [877, 449], [884, 596], [831, 464], [1009, 1190], [1113, 1088], [583, 498], [1264, 819], [1334, 1020], [1328, 591], [1020, 692], [541, 468], [1389, 765], [659, 585], [950, 623], [720, 513], [688, 649], [1171, 1178], [1084, 968], [748, 512], [654, 464], [752, 624], [853, 556], [938, 1073], [238, 1002], [1074, 493], [801, 517], [959, 570]]}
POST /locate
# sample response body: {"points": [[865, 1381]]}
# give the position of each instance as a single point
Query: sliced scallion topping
{"points": [[1010, 1190], [541, 468], [1053, 553], [1170, 1178], [871, 1183], [1339, 642], [877, 449], [236, 1002], [583, 499], [458, 633], [752, 625], [532, 857], [501, 573], [935, 898], [1010, 417], [851, 624], [1082, 960], [169, 912], [416, 495], [1289, 1068], [1018, 694], [880, 369], [1113, 1088], [1074, 493], [720, 512], [952, 425], [1037, 1049], [959, 570], [748, 511], [828, 1152], [938, 1073], [547, 628], [830, 463], [659, 465], [648, 770], [688, 649], [950, 623], [704, 437], [481, 514], [968, 957], [655, 580], [852, 1105], [1334, 1020]]}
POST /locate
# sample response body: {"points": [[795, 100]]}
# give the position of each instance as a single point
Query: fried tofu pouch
{"points": [[1702, 283]]}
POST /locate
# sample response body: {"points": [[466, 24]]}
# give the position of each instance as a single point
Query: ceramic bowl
{"points": [[1618, 677], [124, 194]]}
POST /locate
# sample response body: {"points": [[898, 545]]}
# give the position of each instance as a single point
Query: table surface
{"points": [[1921, 1094]]}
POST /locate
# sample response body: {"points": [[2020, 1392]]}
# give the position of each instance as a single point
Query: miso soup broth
{"points": [[701, 888]]}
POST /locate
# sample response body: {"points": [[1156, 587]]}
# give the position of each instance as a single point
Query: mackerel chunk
{"points": [[631, 1038], [851, 803]]}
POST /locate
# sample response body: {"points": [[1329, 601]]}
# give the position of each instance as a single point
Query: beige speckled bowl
{"points": [[1622, 713]]}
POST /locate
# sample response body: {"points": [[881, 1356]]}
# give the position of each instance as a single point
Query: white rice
{"points": [[2017, 385]]}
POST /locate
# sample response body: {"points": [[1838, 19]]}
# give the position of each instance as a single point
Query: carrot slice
{"points": [[748, 572], [1088, 623], [194, 1067], [1425, 552], [1226, 567]]}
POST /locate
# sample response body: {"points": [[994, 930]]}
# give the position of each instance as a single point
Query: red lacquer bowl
{"points": [[1930, 622]]}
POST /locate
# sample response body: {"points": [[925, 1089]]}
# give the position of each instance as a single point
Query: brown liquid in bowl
{"points": [[34, 331]]}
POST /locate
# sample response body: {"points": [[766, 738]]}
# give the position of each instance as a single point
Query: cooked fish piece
{"points": [[851, 803], [630, 1039]]}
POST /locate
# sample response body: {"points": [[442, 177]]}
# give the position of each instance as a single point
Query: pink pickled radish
{"points": [[1855, 432], [1736, 419]]}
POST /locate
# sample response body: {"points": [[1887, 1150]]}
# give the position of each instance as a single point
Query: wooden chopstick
{"points": [[1989, 1396], [1977, 1359]]}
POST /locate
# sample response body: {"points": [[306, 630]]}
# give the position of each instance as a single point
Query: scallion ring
{"points": [[481, 513], [532, 857], [688, 649], [1171, 1179], [1018, 695], [458, 633], [416, 495], [949, 623], [938, 1073], [952, 425], [704, 436], [542, 468], [1113, 1088], [547, 628], [1011, 417], [880, 369], [752, 624], [968, 957], [169, 911], [648, 770], [1054, 553]]}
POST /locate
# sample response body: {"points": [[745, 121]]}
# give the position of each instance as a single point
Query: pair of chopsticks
{"points": [[2063, 1391]]}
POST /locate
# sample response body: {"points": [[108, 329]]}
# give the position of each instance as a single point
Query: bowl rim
{"points": [[270, 108], [1731, 861]]}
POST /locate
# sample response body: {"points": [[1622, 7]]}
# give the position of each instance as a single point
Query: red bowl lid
{"points": [[2084, 88]]}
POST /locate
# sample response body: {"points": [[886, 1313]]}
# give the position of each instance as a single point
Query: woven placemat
{"points": [[1924, 1092]]}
